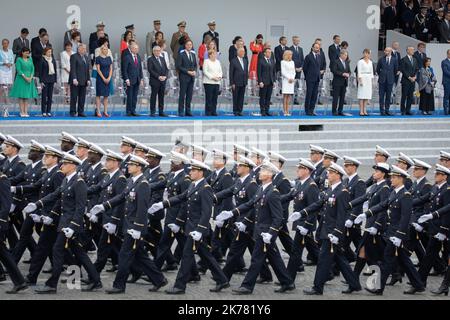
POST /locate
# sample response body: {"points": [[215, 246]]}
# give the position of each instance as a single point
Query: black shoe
{"points": [[175, 290], [394, 280], [81, 115], [156, 288], [202, 269], [268, 114], [129, 115], [180, 115], [244, 270], [441, 290], [195, 279], [92, 286], [335, 114], [73, 115], [152, 115], [134, 279], [135, 115], [169, 267], [413, 290], [263, 281], [301, 269], [85, 281], [112, 269], [437, 273], [115, 291], [163, 115], [240, 114], [29, 283], [47, 270], [312, 292], [219, 287], [409, 114], [341, 114], [188, 114], [242, 291], [377, 292], [389, 114], [285, 288], [296, 102], [350, 290], [45, 290], [18, 288]]}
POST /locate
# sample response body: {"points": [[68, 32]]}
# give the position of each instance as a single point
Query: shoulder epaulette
{"points": [[407, 193], [227, 174], [386, 186], [144, 181]]}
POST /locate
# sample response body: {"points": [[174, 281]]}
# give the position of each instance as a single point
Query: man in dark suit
{"points": [[341, 72], [390, 17], [312, 70], [334, 50], [409, 68], [79, 80], [444, 29], [387, 69], [132, 75], [279, 51], [420, 54], [299, 59], [266, 80], [158, 76], [94, 38], [186, 65], [21, 42], [238, 80], [445, 65], [212, 32], [38, 44]]}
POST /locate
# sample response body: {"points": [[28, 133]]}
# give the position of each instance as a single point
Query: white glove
{"points": [[88, 214], [110, 228], [219, 223], [97, 209], [440, 236], [266, 237], [241, 227], [396, 241], [359, 219], [36, 218], [136, 235], [333, 239], [294, 216], [424, 218], [303, 231], [68, 232], [31, 207], [47, 220], [292, 183], [93, 218], [418, 227], [372, 231], [13, 206], [225, 215], [175, 228], [348, 223], [155, 208], [13, 189], [196, 235]]}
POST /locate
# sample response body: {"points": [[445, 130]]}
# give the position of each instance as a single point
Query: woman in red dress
{"points": [[256, 47], [125, 41]]}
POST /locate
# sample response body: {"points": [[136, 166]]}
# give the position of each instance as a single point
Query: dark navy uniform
{"points": [[124, 166], [283, 185], [83, 169], [315, 175]]}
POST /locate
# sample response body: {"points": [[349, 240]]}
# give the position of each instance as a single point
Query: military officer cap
{"points": [[36, 146], [198, 165], [67, 137], [217, 154], [444, 155], [269, 166], [258, 153], [351, 161], [10, 140], [178, 158], [243, 161], [68, 158], [141, 147], [316, 149], [50, 151], [126, 141], [443, 170], [273, 156], [421, 165], [396, 171], [197, 149], [137, 161], [241, 150], [182, 24], [212, 23], [100, 24], [156, 21], [153, 153], [405, 159], [331, 155], [304, 163], [111, 155], [180, 143], [2, 137], [96, 149], [336, 168], [384, 167], [130, 26], [83, 143], [381, 151]]}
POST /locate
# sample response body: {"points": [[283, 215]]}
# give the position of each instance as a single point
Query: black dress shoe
{"points": [[47, 270], [135, 115], [285, 288], [196, 278], [81, 115], [350, 290], [174, 290], [180, 115], [312, 292], [219, 287], [268, 114], [413, 290], [29, 283], [341, 114], [115, 291], [163, 115], [377, 292], [409, 113], [156, 288], [394, 280], [301, 269], [389, 114], [383, 114], [18, 288], [188, 114], [45, 290], [242, 291], [152, 115], [112, 269], [263, 281], [441, 290], [92, 286], [202, 269], [169, 267]]}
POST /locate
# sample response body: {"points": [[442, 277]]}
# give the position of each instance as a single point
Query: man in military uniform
{"points": [[258, 157], [238, 150], [444, 160], [126, 148], [316, 157], [381, 156], [69, 208], [68, 143], [329, 157], [405, 163], [199, 204], [82, 153], [3, 157]]}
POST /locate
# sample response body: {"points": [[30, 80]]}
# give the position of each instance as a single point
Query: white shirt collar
{"points": [[151, 170], [82, 161], [50, 169], [266, 185], [137, 177], [304, 180], [352, 176], [318, 162], [243, 178], [335, 185], [420, 179], [380, 182], [198, 181], [440, 185], [219, 170], [96, 165], [34, 164], [177, 172], [399, 188], [113, 173], [71, 176], [11, 159]]}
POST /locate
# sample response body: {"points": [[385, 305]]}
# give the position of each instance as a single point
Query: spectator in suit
{"points": [[48, 77], [6, 70], [298, 58], [213, 33], [175, 43], [186, 65], [407, 16], [444, 29], [420, 54], [312, 70], [65, 69], [396, 53], [437, 18], [334, 50], [151, 37], [279, 52], [38, 44], [238, 42], [387, 70], [212, 78], [341, 73], [238, 81], [390, 17], [323, 67], [104, 68], [94, 37], [79, 80], [266, 80], [158, 71], [288, 80], [445, 65], [427, 82], [133, 76], [68, 36], [409, 68], [21, 42]]}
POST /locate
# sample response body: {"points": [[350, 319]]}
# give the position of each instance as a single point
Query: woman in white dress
{"points": [[288, 80], [365, 78], [6, 71], [65, 69]]}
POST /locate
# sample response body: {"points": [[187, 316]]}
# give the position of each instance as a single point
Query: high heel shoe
{"points": [[106, 115], [98, 114]]}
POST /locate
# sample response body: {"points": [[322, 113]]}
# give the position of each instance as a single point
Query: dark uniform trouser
{"points": [[417, 242], [353, 235], [188, 261], [221, 243], [133, 253], [15, 223], [299, 243], [260, 253], [431, 258], [25, 239], [400, 256], [165, 244], [374, 252], [80, 254], [43, 250], [153, 236], [8, 261], [326, 259], [108, 245], [285, 239]]}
